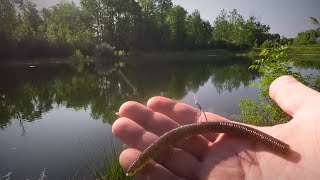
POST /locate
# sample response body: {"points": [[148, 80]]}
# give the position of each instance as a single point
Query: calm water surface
{"points": [[54, 118]]}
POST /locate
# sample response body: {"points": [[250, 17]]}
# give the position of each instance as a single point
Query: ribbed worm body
{"points": [[182, 132]]}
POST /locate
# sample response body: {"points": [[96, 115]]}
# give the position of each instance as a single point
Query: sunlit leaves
{"points": [[231, 27], [306, 38], [272, 64], [176, 20], [199, 32], [66, 26]]}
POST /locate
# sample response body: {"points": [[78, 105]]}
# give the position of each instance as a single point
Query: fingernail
{"points": [[276, 84]]}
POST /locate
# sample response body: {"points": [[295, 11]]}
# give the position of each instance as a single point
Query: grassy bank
{"points": [[308, 53], [112, 169], [295, 53], [139, 56], [189, 56]]}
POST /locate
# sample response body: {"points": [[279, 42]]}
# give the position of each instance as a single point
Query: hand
{"points": [[220, 156]]}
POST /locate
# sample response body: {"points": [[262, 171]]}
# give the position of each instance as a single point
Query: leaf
{"points": [[264, 52], [314, 21]]}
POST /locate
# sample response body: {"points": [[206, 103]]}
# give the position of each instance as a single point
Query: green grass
{"points": [[296, 53], [306, 53], [185, 56], [112, 169]]}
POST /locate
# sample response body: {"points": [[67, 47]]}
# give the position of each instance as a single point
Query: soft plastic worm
{"points": [[181, 132]]}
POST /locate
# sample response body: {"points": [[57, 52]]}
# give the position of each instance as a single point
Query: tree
{"points": [[114, 22], [68, 27], [257, 31], [162, 8], [176, 20], [29, 22], [233, 29], [8, 22], [148, 8], [307, 37], [222, 27], [95, 9], [127, 23], [199, 31], [8, 18]]}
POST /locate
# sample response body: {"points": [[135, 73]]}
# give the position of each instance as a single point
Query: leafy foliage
{"points": [[232, 28], [129, 25], [273, 63], [104, 50], [176, 20], [199, 32], [306, 38], [268, 44]]}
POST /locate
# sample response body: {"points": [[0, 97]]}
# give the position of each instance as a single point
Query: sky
{"points": [[286, 17]]}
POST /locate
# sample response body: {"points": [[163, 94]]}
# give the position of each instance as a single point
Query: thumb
{"points": [[292, 96]]}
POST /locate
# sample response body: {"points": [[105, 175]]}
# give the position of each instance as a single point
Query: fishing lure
{"points": [[185, 131]]}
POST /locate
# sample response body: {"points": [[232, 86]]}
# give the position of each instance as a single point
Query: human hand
{"points": [[220, 156]]}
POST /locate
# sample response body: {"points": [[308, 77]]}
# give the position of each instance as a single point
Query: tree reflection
{"points": [[229, 77], [27, 94], [310, 64]]}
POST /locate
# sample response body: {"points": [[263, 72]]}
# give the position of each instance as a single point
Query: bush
{"points": [[121, 53], [104, 50], [306, 38], [273, 63], [268, 44], [77, 55]]}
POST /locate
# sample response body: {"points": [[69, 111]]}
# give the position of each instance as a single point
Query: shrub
{"points": [[77, 55], [305, 38], [121, 53], [104, 50], [268, 44], [273, 63]]}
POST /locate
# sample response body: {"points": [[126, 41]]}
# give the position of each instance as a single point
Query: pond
{"points": [[56, 118]]}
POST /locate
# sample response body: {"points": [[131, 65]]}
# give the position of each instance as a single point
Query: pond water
{"points": [[54, 119]]}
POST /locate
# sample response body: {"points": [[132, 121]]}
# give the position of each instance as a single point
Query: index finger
{"points": [[180, 112]]}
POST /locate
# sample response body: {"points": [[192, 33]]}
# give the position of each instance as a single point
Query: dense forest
{"points": [[129, 25]]}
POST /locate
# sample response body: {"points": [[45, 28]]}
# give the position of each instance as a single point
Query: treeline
{"points": [[147, 25], [309, 37]]}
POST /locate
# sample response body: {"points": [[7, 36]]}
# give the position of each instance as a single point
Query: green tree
{"points": [[96, 10], [232, 28], [8, 17], [28, 31], [199, 31], [127, 23], [68, 27], [307, 37], [222, 27], [162, 8], [114, 22], [8, 23], [150, 34], [148, 8], [176, 20]]}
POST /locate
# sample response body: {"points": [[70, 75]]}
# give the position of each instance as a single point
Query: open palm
{"points": [[221, 156]]}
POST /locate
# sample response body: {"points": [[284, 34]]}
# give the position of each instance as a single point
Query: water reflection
{"points": [[308, 64], [46, 110], [28, 93]]}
